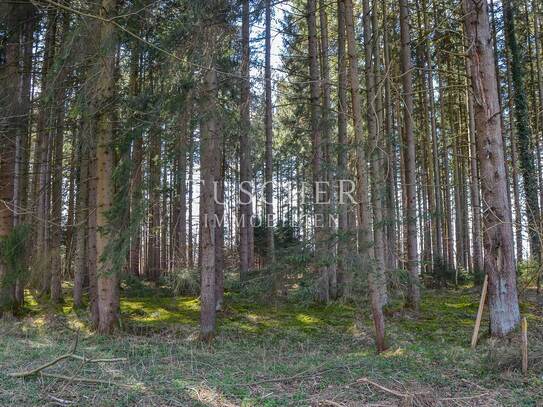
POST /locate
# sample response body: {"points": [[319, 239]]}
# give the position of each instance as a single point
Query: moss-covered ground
{"points": [[272, 355]]}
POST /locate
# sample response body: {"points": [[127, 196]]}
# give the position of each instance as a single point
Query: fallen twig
{"points": [[71, 355], [60, 358], [60, 401], [407, 398]]}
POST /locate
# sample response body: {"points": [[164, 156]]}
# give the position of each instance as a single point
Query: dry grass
{"points": [[273, 356]]}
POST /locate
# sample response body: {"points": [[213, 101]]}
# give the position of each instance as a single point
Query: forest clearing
{"points": [[271, 203]]}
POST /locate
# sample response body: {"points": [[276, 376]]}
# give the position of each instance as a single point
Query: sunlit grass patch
{"points": [[265, 354]]}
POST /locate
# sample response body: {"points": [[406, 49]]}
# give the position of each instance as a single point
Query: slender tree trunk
{"points": [[391, 167], [45, 126], [372, 61], [364, 242], [344, 274], [71, 215], [219, 231], [410, 173], [134, 86], [190, 238], [92, 255], [57, 174], [268, 125], [246, 249], [497, 232], [326, 173], [185, 129], [81, 217], [478, 264]]}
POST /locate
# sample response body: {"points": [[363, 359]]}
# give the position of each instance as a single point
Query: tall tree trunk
{"points": [[525, 144], [371, 46], [326, 173], [45, 127], [209, 149], [107, 277], [12, 18], [153, 264], [344, 273], [497, 232], [364, 242], [268, 125], [57, 175], [478, 264], [246, 248], [185, 130], [70, 222], [81, 216], [410, 172], [391, 167], [134, 88], [323, 287], [190, 238], [219, 227]]}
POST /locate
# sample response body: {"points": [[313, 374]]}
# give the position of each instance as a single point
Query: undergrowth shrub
{"points": [[13, 253], [183, 281]]}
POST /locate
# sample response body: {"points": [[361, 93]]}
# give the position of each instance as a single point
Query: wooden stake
{"points": [[524, 333], [479, 313]]}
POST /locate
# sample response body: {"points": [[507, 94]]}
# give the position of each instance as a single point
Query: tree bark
{"points": [[413, 297], [497, 232], [321, 268], [209, 149], [107, 278], [246, 247], [362, 192], [268, 125]]}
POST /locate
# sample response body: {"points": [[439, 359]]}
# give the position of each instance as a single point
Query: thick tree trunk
{"points": [[209, 149], [497, 232], [17, 19], [12, 17], [323, 287], [107, 278]]}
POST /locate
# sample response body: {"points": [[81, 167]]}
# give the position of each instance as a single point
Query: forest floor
{"points": [[266, 355]]}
